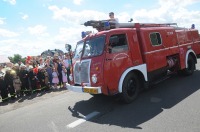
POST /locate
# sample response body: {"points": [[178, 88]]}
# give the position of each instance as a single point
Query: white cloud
{"points": [[26, 47], [7, 33], [8, 46], [177, 3], [25, 16], [76, 17], [38, 30], [77, 2], [71, 35], [168, 12], [2, 21], [12, 2]]}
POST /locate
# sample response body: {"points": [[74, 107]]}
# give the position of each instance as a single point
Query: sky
{"points": [[29, 27]]}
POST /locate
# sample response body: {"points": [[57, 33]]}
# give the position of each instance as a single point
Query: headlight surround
{"points": [[94, 78]]}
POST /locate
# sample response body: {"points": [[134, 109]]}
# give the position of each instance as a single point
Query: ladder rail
{"points": [[100, 25]]}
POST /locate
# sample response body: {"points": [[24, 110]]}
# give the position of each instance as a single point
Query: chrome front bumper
{"points": [[85, 89]]}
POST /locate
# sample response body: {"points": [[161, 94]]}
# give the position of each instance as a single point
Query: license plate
{"points": [[90, 90]]}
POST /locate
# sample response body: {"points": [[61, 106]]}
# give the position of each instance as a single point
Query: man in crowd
{"points": [[67, 64], [3, 89], [33, 79], [9, 82], [23, 74]]}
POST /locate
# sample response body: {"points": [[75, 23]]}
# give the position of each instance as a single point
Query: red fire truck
{"points": [[124, 58]]}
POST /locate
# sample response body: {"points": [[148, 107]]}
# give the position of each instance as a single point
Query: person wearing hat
{"points": [[9, 83], [3, 89], [23, 75], [17, 84], [16, 68], [41, 77], [33, 79]]}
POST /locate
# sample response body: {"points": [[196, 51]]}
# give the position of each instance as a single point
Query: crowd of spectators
{"points": [[35, 75]]}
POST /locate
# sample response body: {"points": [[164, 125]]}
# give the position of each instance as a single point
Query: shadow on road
{"points": [[149, 104], [30, 96]]}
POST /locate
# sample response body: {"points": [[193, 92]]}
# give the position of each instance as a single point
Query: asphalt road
{"points": [[170, 106]]}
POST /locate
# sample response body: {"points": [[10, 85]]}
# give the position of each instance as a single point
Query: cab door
{"points": [[117, 60]]}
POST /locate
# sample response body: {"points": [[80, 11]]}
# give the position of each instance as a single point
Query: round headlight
{"points": [[94, 78]]}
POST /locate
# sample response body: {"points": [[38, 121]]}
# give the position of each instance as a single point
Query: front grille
{"points": [[82, 72], [85, 72], [77, 77]]}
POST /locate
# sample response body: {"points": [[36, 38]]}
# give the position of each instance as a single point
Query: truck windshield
{"points": [[94, 46], [78, 50]]}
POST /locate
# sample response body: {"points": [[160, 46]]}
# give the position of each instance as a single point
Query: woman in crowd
{"points": [[58, 68], [64, 76]]}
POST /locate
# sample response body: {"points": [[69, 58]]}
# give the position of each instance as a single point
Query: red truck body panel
{"points": [[156, 47]]}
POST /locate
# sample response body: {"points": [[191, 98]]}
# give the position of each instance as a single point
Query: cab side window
{"points": [[118, 43], [155, 38]]}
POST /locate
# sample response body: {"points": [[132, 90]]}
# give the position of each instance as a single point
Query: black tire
{"points": [[191, 66], [96, 95], [130, 88]]}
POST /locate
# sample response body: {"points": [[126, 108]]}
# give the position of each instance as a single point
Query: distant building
{"points": [[3, 62], [4, 59], [51, 53]]}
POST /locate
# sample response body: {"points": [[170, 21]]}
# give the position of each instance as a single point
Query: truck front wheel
{"points": [[191, 66], [130, 88]]}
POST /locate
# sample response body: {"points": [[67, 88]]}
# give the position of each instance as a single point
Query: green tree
{"points": [[16, 58]]}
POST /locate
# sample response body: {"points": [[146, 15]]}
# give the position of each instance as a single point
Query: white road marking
{"points": [[80, 121], [53, 127]]}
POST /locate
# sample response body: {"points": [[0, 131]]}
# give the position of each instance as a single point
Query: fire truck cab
{"points": [[130, 57]]}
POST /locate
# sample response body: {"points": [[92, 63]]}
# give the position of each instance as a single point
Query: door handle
{"points": [[108, 59]]}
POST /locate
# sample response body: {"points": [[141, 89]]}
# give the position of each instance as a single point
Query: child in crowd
{"points": [[46, 80], [55, 80], [17, 84], [64, 76]]}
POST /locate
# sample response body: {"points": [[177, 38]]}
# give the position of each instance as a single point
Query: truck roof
{"points": [[113, 26]]}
